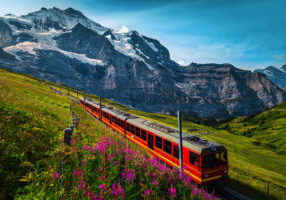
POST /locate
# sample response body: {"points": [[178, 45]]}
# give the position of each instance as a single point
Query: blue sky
{"points": [[246, 33]]}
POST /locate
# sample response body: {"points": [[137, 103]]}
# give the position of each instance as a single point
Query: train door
{"points": [[150, 141]]}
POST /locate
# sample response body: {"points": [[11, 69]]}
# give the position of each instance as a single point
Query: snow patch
{"points": [[24, 46], [149, 66], [185, 85], [268, 73], [123, 30], [82, 57], [45, 42], [151, 45], [139, 51], [16, 18]]}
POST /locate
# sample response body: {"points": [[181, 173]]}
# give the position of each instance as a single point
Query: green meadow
{"points": [[33, 118]]}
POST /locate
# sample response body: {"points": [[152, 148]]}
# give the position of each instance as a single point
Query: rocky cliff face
{"points": [[66, 47]]}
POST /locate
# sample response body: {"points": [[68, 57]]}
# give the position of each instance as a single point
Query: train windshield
{"points": [[214, 160]]}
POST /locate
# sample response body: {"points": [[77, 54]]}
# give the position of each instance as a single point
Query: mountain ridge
{"points": [[276, 75], [66, 47]]}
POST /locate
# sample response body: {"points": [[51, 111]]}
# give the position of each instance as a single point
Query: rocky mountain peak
{"points": [[272, 68], [58, 19], [277, 76], [74, 13], [66, 47]]}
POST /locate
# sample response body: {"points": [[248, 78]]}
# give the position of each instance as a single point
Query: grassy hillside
{"points": [[252, 166], [32, 120], [267, 129]]}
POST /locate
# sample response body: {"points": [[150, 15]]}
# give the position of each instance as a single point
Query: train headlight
{"points": [[225, 171]]}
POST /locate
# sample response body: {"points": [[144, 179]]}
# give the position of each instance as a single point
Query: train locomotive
{"points": [[206, 162]]}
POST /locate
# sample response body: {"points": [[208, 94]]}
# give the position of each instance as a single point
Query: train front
{"points": [[214, 164]]}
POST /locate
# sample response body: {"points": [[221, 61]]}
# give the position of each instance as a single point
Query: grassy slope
{"points": [[251, 166], [32, 121], [267, 129]]}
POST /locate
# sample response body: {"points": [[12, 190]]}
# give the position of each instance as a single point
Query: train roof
{"points": [[192, 142]]}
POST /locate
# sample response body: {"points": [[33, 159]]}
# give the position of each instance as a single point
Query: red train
{"points": [[204, 161]]}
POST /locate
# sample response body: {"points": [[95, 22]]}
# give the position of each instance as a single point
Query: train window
{"points": [[158, 142], [211, 160], [167, 147], [223, 157], [175, 151], [122, 125], [143, 134], [132, 129], [138, 132], [217, 156], [105, 115], [194, 159], [128, 127]]}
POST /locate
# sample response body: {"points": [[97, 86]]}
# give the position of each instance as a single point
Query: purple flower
{"points": [[121, 191], [84, 162], [155, 182], [77, 173], [103, 187], [81, 184], [130, 174], [173, 192], [117, 191], [56, 175], [97, 197], [147, 192]]}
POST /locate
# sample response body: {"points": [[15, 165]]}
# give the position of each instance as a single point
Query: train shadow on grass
{"points": [[250, 191]]}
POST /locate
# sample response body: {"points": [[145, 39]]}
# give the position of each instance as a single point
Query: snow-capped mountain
{"points": [[65, 46], [277, 76]]}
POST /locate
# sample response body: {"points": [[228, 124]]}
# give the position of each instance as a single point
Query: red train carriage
{"points": [[203, 160]]}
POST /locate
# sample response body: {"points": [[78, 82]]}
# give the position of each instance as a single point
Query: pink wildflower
{"points": [[173, 192], [81, 185], [147, 192], [155, 182], [77, 173], [103, 187], [56, 175], [84, 162]]}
